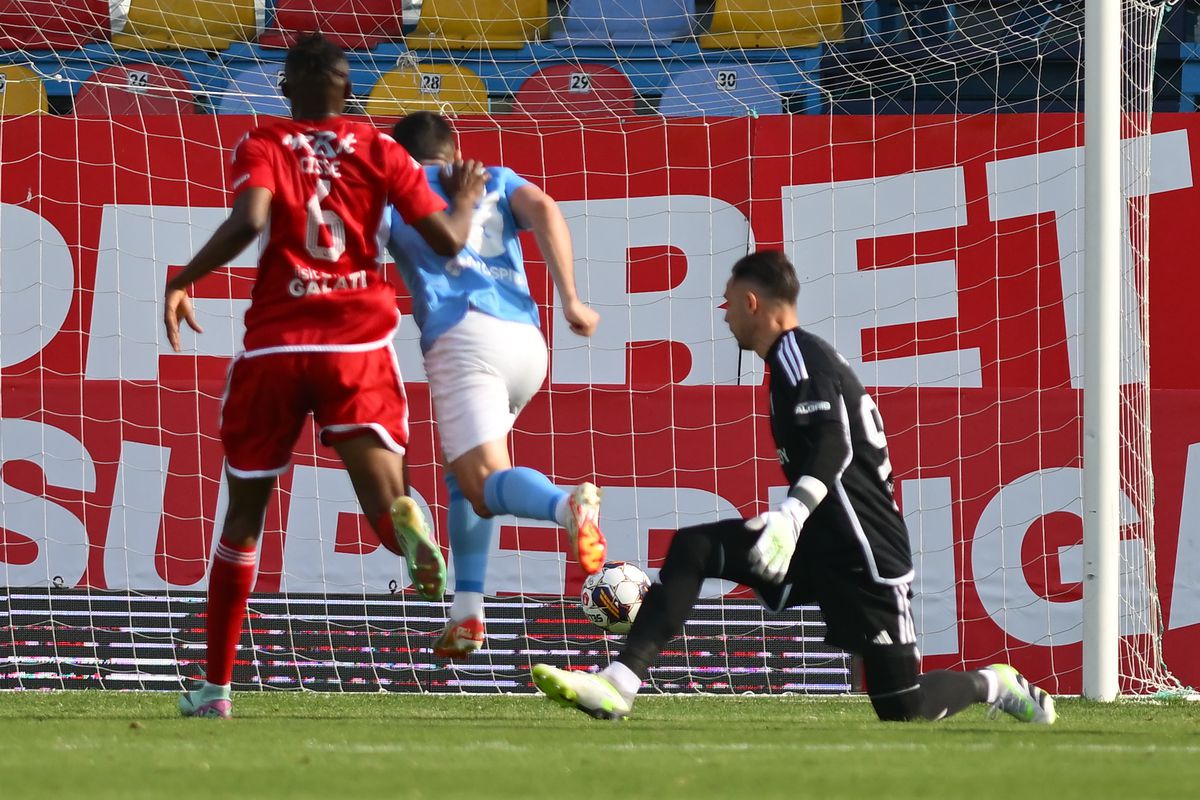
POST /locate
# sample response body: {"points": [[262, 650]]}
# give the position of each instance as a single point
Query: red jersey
{"points": [[320, 283]]}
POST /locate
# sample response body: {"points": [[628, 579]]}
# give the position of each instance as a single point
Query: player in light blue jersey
{"points": [[485, 358]]}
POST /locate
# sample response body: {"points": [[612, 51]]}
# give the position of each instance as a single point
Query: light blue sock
{"points": [[470, 541], [523, 492]]}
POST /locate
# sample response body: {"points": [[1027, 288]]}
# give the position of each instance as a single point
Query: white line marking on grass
{"points": [[699, 747], [1129, 748], [687, 747]]}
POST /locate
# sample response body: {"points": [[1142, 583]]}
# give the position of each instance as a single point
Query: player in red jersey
{"points": [[318, 331]]}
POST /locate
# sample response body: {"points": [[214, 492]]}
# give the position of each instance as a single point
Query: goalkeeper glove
{"points": [[777, 532]]}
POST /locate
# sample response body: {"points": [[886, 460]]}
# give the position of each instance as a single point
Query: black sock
{"points": [[945, 692], [690, 558]]}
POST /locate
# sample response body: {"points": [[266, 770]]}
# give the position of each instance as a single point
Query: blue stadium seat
{"points": [[729, 90], [253, 91], [626, 21], [1189, 76], [65, 71], [365, 65]]}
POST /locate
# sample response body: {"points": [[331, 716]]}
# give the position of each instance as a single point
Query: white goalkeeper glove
{"points": [[778, 532]]}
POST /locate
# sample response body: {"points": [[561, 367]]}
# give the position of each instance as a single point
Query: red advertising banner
{"points": [[942, 256]]}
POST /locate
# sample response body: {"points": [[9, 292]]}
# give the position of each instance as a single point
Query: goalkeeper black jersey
{"points": [[834, 453]]}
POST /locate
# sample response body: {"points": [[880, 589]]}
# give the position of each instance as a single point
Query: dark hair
{"points": [[771, 272], [313, 59], [424, 134]]}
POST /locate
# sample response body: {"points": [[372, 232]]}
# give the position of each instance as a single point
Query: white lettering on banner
{"points": [[628, 514], [131, 549], [1185, 588], [137, 245], [710, 232], [928, 515], [822, 225], [1052, 182], [407, 344], [999, 571], [60, 538], [37, 282], [310, 562], [526, 570]]}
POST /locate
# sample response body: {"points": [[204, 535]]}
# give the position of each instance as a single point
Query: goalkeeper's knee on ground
{"points": [[892, 682]]}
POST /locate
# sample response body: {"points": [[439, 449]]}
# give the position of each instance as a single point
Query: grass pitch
{"points": [[304, 745]]}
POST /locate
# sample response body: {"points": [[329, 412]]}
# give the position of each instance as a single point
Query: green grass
{"points": [[100, 744]]}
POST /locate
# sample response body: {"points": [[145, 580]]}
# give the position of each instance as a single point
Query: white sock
{"points": [[993, 685], [562, 512], [467, 604], [623, 678]]}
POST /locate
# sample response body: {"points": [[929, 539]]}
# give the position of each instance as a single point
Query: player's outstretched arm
{"points": [[249, 216], [447, 231], [537, 210]]}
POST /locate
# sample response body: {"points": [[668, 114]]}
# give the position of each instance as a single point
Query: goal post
{"points": [[1101, 466]]}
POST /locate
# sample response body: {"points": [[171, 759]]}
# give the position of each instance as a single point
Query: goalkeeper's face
{"points": [[741, 303]]}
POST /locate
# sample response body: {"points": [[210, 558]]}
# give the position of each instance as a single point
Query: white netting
{"points": [[1145, 669], [920, 161]]}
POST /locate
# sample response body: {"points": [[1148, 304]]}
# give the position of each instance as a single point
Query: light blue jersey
{"points": [[488, 275]]}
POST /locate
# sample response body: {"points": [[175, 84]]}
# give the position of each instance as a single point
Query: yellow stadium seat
{"points": [[189, 24], [746, 24], [21, 92], [476, 24], [430, 87]]}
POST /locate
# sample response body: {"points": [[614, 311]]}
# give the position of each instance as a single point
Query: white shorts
{"points": [[481, 374]]}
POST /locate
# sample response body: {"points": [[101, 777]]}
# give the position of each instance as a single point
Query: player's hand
{"points": [[777, 532], [464, 181], [179, 306], [581, 317]]}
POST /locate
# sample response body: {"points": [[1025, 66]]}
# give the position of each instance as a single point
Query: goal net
{"points": [[920, 162]]}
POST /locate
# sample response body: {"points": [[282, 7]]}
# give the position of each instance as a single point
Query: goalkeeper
{"points": [[485, 358], [838, 539]]}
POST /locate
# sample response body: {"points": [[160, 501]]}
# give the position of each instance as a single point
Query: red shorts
{"points": [[268, 398]]}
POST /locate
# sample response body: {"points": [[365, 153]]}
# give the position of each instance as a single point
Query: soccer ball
{"points": [[611, 597]]}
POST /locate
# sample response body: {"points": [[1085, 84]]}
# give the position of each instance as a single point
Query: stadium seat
{"points": [[188, 24], [627, 21], [52, 24], [21, 92], [732, 90], [254, 91], [135, 89], [430, 87], [353, 24], [745, 24], [478, 24], [575, 90]]}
